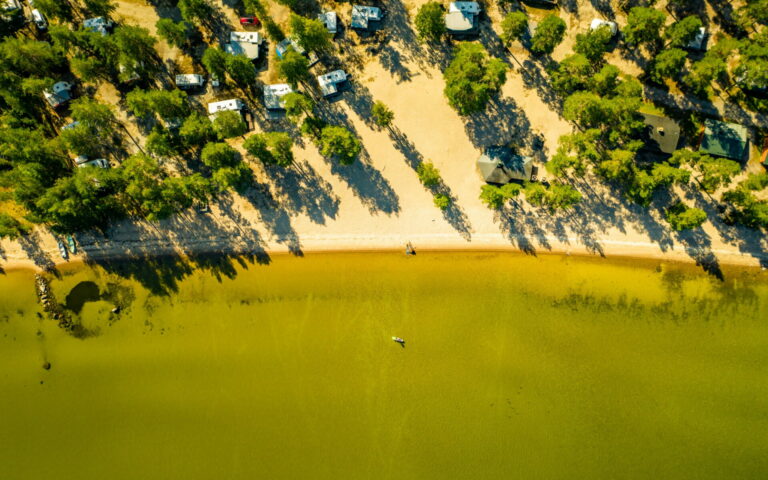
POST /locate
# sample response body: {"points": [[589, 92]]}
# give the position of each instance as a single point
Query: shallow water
{"points": [[514, 367]]}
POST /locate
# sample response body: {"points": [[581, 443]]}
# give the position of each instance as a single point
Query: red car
{"points": [[249, 21]]}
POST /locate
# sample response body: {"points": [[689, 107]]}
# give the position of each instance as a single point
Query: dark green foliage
{"points": [[55, 9], [197, 130], [441, 201], [160, 143], [98, 8], [574, 151], [271, 148], [310, 34], [175, 33], [513, 27], [313, 126], [167, 104], [606, 83], [681, 33], [238, 177], [492, 196], [748, 209], [617, 116], [195, 11], [10, 227], [644, 26], [229, 124], [594, 43], [573, 73], [293, 68], [135, 44], [549, 33], [716, 172], [298, 105], [241, 70], [668, 64], [682, 217], [430, 22], [382, 115], [215, 61], [756, 181], [472, 77], [429, 176], [218, 155], [339, 143]]}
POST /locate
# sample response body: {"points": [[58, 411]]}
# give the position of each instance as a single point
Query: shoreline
{"points": [[319, 244]]}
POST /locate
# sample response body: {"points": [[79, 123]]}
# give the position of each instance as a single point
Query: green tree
{"points": [[561, 196], [310, 34], [549, 33], [197, 130], [160, 143], [594, 43], [135, 44], [644, 26], [196, 11], [215, 61], [428, 174], [338, 142], [217, 155], [168, 104], [229, 124], [606, 81], [430, 22], [57, 9], [573, 73], [682, 217], [294, 67], [716, 172], [492, 196], [513, 27], [441, 201], [238, 177], [472, 77], [681, 33], [98, 8], [298, 105], [271, 148], [382, 115], [11, 228], [668, 64], [175, 33], [241, 70]]}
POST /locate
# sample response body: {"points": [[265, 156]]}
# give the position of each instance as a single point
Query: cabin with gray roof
{"points": [[365, 17], [728, 140], [500, 165], [661, 134], [330, 21], [462, 18]]}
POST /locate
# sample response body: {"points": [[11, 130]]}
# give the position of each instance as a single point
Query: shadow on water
{"points": [[81, 294]]}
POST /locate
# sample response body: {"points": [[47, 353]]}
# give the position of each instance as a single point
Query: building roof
{"points": [[273, 95], [98, 24], [699, 42], [500, 165], [58, 94], [285, 44], [363, 14], [189, 80], [661, 134], [723, 139], [244, 43], [460, 22], [234, 104], [466, 7], [330, 21], [329, 83]]}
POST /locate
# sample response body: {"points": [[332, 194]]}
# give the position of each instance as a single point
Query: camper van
{"points": [[39, 20]]}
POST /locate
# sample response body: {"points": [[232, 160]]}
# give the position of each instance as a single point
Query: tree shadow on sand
{"points": [[301, 190]]}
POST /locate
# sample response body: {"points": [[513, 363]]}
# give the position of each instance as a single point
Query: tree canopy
{"points": [[472, 77], [549, 33], [430, 22]]}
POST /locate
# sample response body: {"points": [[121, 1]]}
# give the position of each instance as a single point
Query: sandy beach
{"points": [[379, 204]]}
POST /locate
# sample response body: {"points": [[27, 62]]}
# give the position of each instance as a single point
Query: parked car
{"points": [[249, 21], [39, 20]]}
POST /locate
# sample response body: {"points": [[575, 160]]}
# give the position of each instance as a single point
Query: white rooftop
{"points": [[362, 14], [465, 7], [189, 79], [597, 23], [58, 94], [244, 43], [329, 20], [273, 95], [330, 81], [245, 37], [233, 104]]}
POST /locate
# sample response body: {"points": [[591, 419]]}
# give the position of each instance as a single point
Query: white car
{"points": [[39, 20], [597, 23]]}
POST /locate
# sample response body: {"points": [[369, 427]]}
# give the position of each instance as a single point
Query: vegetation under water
{"points": [[514, 366]]}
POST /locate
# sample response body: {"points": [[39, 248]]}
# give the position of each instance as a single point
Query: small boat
{"points": [[399, 340], [71, 244], [63, 250], [409, 250]]}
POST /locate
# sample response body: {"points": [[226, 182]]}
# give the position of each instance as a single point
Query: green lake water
{"points": [[515, 367]]}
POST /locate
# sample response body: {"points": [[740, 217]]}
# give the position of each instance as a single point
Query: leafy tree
{"points": [[682, 217], [310, 34], [511, 190], [294, 67], [715, 172], [215, 61], [594, 43], [57, 9], [175, 33], [549, 33], [618, 166], [338, 142], [573, 152], [472, 77], [298, 105], [218, 155], [573, 73], [606, 81], [429, 175], [644, 26], [665, 174], [168, 104], [160, 143], [430, 22], [271, 148], [561, 196], [513, 27], [195, 11], [238, 177], [313, 127], [98, 117], [241, 70], [79, 140], [492, 196], [382, 115], [617, 117], [748, 209], [135, 44], [441, 201], [98, 8], [197, 130], [10, 227], [756, 181], [229, 124], [681, 33], [668, 64], [27, 57], [703, 72]]}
